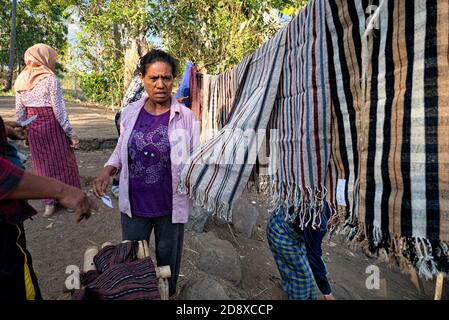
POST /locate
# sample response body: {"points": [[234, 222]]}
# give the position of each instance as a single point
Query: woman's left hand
{"points": [[75, 143]]}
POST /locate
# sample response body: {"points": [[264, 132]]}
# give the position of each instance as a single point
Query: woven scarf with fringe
{"points": [[398, 128]]}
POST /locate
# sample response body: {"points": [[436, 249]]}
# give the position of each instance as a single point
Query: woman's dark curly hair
{"points": [[156, 55]]}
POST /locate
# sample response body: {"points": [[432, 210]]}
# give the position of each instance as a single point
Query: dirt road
{"points": [[58, 242]]}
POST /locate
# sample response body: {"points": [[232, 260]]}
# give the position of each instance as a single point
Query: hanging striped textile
{"points": [[345, 21], [404, 159], [302, 120], [401, 182], [219, 169], [300, 143]]}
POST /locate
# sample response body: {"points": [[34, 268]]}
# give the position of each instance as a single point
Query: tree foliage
{"points": [[37, 21]]}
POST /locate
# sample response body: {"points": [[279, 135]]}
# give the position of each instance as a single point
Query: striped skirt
{"points": [[50, 149]]}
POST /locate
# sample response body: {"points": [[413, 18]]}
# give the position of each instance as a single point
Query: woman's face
{"points": [[158, 81]]}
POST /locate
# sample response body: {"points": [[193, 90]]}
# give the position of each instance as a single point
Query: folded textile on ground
{"points": [[119, 275]]}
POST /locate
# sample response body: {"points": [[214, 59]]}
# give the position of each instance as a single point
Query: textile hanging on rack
{"points": [[345, 24], [401, 186], [228, 84], [301, 118], [404, 154], [220, 95], [184, 87], [219, 169], [209, 108]]}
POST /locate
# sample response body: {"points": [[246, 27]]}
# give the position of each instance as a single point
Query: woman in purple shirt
{"points": [[157, 135]]}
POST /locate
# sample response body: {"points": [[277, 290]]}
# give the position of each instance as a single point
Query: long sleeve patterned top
{"points": [[47, 93]]}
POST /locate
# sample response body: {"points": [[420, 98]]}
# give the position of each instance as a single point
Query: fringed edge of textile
{"points": [[221, 209], [411, 254], [307, 204]]}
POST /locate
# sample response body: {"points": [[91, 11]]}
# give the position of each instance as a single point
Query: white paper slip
{"points": [[341, 190], [107, 201], [26, 122]]}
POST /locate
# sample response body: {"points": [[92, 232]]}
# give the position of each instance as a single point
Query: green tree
{"points": [[216, 35]]}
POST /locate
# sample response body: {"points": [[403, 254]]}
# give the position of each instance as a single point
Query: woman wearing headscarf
{"points": [[51, 138]]}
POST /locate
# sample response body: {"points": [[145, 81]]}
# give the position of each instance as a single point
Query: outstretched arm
{"points": [[20, 185]]}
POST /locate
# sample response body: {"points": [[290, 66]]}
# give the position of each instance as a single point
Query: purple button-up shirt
{"points": [[183, 134]]}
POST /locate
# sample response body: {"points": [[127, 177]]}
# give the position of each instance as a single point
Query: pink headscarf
{"points": [[40, 61]]}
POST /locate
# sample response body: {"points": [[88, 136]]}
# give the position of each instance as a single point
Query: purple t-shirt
{"points": [[150, 182]]}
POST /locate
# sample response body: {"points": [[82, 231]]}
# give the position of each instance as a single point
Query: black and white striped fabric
{"points": [[391, 148]]}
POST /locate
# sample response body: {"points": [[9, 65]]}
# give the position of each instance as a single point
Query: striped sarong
{"points": [[300, 145], [218, 170], [50, 149], [345, 24], [286, 89], [290, 254], [196, 92], [228, 85], [398, 125], [209, 125]]}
